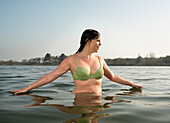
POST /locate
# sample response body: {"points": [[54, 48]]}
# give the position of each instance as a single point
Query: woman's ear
{"points": [[87, 40]]}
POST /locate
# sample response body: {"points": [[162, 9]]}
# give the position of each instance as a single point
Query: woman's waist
{"points": [[96, 89], [88, 92], [88, 83]]}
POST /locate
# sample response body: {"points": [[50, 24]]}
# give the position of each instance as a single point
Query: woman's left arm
{"points": [[115, 78]]}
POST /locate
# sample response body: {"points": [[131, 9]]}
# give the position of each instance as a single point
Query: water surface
{"points": [[54, 102]]}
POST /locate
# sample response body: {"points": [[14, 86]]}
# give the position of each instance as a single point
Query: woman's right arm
{"points": [[115, 78], [60, 70]]}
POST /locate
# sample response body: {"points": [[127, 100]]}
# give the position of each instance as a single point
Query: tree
{"points": [[47, 57], [167, 59], [139, 59], [151, 55], [62, 57]]}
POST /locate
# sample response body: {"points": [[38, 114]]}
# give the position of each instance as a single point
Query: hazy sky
{"points": [[32, 28]]}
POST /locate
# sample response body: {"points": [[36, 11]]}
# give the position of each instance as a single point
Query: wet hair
{"points": [[88, 35]]}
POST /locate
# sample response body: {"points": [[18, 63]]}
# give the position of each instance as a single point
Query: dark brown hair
{"points": [[88, 35]]}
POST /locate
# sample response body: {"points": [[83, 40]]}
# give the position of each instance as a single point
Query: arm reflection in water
{"points": [[85, 104]]}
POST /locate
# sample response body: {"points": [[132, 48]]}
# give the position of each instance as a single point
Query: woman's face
{"points": [[95, 44]]}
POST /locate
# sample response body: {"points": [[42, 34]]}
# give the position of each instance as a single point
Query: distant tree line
{"points": [[139, 61], [47, 60], [149, 60]]}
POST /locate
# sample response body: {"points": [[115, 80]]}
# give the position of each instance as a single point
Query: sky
{"points": [[32, 28]]}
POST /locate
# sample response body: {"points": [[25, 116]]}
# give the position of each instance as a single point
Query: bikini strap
{"points": [[99, 61], [76, 60]]}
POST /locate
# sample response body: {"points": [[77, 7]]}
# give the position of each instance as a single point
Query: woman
{"points": [[86, 67]]}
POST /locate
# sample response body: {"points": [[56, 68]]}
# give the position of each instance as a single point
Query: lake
{"points": [[55, 103]]}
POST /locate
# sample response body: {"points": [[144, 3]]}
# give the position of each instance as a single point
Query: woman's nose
{"points": [[100, 43]]}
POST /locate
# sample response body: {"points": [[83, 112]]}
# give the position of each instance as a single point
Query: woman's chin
{"points": [[97, 51]]}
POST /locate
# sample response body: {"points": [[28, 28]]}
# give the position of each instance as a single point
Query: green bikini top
{"points": [[83, 74]]}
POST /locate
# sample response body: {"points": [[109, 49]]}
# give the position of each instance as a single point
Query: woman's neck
{"points": [[86, 53]]}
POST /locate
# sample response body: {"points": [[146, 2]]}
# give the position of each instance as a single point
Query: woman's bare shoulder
{"points": [[69, 58], [97, 56], [101, 59]]}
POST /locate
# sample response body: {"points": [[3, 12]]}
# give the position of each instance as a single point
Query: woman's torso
{"points": [[95, 68]]}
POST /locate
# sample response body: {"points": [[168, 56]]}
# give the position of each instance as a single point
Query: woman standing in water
{"points": [[87, 68]]}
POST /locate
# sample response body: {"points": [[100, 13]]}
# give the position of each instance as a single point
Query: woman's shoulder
{"points": [[98, 56], [68, 59]]}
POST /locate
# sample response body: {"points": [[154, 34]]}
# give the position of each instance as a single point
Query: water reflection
{"points": [[85, 104], [130, 91]]}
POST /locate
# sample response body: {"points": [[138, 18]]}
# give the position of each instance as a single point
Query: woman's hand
{"points": [[23, 90], [136, 85]]}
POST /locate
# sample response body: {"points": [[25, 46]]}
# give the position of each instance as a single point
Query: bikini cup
{"points": [[83, 74]]}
